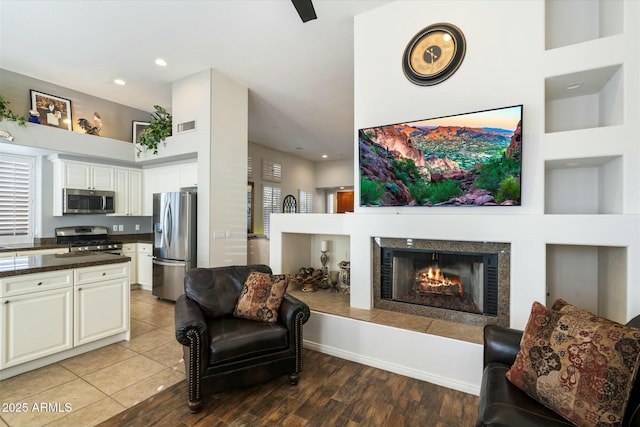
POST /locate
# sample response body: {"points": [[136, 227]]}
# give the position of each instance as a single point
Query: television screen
{"points": [[471, 159]]}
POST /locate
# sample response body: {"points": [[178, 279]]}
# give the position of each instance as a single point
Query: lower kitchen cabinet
{"points": [[145, 265], [45, 315], [35, 325], [130, 250], [101, 302]]}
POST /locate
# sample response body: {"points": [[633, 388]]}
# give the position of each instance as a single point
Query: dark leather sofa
{"points": [[222, 352], [503, 404]]}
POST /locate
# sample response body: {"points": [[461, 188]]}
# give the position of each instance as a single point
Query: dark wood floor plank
{"points": [[331, 392]]}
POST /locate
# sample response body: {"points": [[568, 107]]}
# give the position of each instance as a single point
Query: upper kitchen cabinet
{"points": [[80, 175], [163, 179], [125, 182], [128, 187]]}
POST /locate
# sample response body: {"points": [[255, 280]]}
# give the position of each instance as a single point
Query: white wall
{"points": [[506, 63], [334, 173], [297, 174]]}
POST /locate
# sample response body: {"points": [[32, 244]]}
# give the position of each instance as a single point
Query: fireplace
{"points": [[466, 282]]}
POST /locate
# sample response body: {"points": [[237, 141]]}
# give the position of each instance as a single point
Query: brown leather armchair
{"points": [[503, 404], [223, 352]]}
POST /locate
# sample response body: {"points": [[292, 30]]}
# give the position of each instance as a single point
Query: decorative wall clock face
{"points": [[434, 54]]}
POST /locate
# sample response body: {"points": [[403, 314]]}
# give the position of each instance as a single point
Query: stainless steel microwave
{"points": [[75, 201]]}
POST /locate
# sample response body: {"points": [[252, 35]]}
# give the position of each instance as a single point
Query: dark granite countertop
{"points": [[40, 263], [30, 246], [48, 242]]}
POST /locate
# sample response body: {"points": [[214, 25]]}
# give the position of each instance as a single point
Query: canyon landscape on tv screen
{"points": [[472, 159]]}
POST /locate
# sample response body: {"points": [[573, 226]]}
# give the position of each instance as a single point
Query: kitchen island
{"points": [[60, 305]]}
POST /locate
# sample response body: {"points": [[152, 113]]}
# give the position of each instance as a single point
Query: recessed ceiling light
{"points": [[161, 62], [119, 82], [573, 86], [324, 156]]}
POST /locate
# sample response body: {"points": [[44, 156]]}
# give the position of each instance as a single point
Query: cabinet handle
{"points": [[39, 283], [6, 301]]}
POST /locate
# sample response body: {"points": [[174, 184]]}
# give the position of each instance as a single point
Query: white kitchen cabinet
{"points": [[90, 176], [145, 265], [79, 175], [131, 250], [168, 178], [101, 302], [7, 254], [37, 316], [188, 175], [128, 188]]}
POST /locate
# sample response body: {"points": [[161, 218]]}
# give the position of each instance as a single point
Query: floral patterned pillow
{"points": [[581, 368], [261, 296]]}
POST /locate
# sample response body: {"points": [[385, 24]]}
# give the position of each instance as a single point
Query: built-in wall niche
{"points": [[585, 99], [569, 22], [590, 277], [584, 186], [304, 250]]}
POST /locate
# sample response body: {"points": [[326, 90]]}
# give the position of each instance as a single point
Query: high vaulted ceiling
{"points": [[299, 75]]}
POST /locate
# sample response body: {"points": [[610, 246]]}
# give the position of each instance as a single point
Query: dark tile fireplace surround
{"points": [[465, 282]]}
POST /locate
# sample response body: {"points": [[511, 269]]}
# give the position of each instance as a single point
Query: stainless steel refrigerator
{"points": [[174, 241]]}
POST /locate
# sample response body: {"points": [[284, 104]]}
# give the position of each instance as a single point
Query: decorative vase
{"points": [[344, 279]]}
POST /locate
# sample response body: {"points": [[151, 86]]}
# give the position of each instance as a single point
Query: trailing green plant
{"points": [[492, 173], [370, 191], [160, 125], [6, 113], [509, 190], [419, 191], [443, 191], [406, 170]]}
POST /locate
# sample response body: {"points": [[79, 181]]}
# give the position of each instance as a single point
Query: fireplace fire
{"points": [[433, 281], [465, 282]]}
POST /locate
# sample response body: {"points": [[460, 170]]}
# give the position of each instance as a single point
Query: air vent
{"points": [[187, 126]]}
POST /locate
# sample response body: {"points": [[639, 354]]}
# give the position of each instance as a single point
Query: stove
{"points": [[87, 238]]}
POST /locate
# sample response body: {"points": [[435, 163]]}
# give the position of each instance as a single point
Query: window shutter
{"points": [[271, 199], [271, 171], [330, 197], [16, 187], [306, 201]]}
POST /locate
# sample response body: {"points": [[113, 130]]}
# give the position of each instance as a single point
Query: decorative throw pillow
{"points": [[261, 296], [580, 368], [564, 307]]}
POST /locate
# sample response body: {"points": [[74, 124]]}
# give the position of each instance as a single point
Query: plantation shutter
{"points": [[16, 186], [330, 197], [306, 201], [271, 199], [271, 171]]}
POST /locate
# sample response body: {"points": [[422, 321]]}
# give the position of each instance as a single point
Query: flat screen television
{"points": [[472, 159]]}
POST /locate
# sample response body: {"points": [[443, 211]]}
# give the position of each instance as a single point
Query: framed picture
{"points": [[138, 127], [54, 111]]}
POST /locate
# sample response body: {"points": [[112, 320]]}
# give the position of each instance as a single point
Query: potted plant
{"points": [[6, 113], [159, 129]]}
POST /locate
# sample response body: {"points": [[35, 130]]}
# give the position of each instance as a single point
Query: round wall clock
{"points": [[434, 54]]}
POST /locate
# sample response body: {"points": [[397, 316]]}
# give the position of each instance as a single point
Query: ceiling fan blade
{"points": [[305, 9]]}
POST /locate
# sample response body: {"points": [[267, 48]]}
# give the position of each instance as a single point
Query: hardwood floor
{"points": [[331, 392]]}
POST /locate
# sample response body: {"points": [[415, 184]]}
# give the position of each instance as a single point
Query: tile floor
{"points": [[101, 383]]}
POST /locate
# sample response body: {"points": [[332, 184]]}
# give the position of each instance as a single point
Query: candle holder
{"points": [[323, 259]]}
